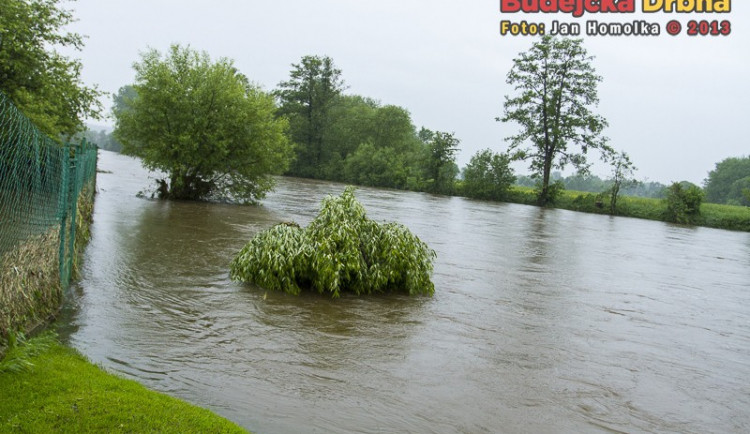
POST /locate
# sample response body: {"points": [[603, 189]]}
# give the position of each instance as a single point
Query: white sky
{"points": [[677, 105]]}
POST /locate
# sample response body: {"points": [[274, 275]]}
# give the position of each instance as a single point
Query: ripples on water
{"points": [[543, 320]]}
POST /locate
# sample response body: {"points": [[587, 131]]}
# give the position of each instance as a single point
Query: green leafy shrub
{"points": [[488, 176], [683, 203], [340, 251]]}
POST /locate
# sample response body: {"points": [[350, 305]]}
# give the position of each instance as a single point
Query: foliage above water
{"points": [[683, 203], [729, 183], [488, 176], [340, 251], [357, 140], [202, 122]]}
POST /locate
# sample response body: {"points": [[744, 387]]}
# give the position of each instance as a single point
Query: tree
{"points": [[645, 188], [205, 125], [739, 192], [441, 166], [725, 184], [386, 132], [121, 100], [102, 139], [585, 182], [307, 99], [392, 127], [488, 176], [556, 85], [351, 119], [622, 174], [683, 203], [376, 167], [45, 85]]}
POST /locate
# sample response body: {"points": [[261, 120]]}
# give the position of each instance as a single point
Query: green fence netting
{"points": [[46, 195]]}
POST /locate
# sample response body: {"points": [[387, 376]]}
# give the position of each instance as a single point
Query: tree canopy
{"points": [[488, 176], [203, 123], [441, 168], [683, 203], [307, 99], [729, 182], [556, 87], [102, 139], [45, 85], [352, 138]]}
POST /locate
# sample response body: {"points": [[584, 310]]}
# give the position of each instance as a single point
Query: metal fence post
{"points": [[64, 197]]}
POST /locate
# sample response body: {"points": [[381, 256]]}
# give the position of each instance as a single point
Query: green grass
{"points": [[54, 389], [712, 215], [726, 216]]}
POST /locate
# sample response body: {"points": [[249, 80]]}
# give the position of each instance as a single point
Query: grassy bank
{"points": [[712, 215], [47, 387]]}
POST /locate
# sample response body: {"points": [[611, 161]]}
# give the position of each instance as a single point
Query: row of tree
{"points": [[355, 139], [216, 134], [101, 137], [729, 182], [590, 183]]}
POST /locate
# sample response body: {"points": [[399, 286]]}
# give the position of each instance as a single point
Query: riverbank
{"points": [[48, 387], [736, 218], [712, 215]]}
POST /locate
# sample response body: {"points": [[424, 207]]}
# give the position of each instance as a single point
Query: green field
{"points": [[47, 387], [712, 215]]}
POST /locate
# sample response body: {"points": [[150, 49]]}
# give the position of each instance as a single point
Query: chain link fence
{"points": [[46, 202]]}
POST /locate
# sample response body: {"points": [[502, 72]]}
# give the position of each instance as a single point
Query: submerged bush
{"points": [[340, 251]]}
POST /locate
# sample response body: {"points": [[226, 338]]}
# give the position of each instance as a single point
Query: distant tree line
{"points": [[102, 138], [595, 184], [217, 135], [355, 139]]}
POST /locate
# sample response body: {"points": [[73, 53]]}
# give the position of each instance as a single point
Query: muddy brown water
{"points": [[542, 321]]}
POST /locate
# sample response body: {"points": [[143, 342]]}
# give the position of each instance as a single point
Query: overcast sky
{"points": [[677, 104]]}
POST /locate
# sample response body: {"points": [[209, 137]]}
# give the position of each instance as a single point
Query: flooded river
{"points": [[542, 320]]}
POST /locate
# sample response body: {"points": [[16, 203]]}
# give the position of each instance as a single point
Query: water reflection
{"points": [[543, 320]]}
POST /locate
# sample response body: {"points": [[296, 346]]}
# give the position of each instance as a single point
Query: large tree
{"points": [[729, 182], [306, 99], [202, 122], [556, 86], [43, 83], [440, 166]]}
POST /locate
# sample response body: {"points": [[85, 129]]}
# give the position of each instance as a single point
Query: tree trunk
{"points": [[544, 194], [613, 202]]}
